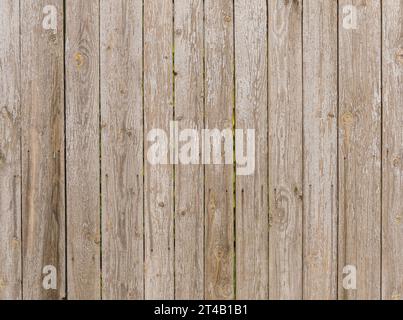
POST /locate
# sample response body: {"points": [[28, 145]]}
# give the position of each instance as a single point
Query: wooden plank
{"points": [[285, 149], [10, 159], [82, 142], [122, 149], [252, 246], [320, 149], [158, 108], [392, 214], [219, 199], [189, 179], [360, 149], [43, 191]]}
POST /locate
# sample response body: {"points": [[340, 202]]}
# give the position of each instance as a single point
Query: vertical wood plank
{"points": [[285, 149], [219, 199], [360, 149], [122, 149], [82, 142], [251, 113], [189, 179], [158, 107], [320, 149], [392, 214], [10, 159], [43, 190]]}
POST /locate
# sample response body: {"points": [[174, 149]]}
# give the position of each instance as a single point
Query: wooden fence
{"points": [[82, 83]]}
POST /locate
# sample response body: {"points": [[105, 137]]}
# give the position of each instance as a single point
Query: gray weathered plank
{"points": [[360, 149], [285, 149], [158, 112], [392, 199], [42, 96], [10, 160], [82, 149], [252, 246], [122, 149], [219, 198], [320, 149], [189, 179]]}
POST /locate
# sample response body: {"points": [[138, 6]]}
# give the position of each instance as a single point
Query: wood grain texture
{"points": [[43, 187], [122, 149], [82, 144], [219, 102], [189, 179], [392, 199], [360, 149], [326, 104], [10, 158], [252, 209], [285, 149], [320, 149], [158, 110]]}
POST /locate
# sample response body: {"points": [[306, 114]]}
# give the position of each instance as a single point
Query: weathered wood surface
{"points": [[82, 149], [360, 149], [43, 159], [323, 94], [10, 153], [219, 103], [122, 149], [320, 149], [251, 112], [285, 149], [159, 179], [189, 179], [392, 190]]}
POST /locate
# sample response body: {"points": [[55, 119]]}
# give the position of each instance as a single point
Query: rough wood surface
{"points": [[392, 198], [320, 149], [158, 188], [324, 97], [360, 149], [43, 186], [122, 149], [251, 113], [82, 146], [285, 149], [219, 102], [10, 160], [189, 179]]}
